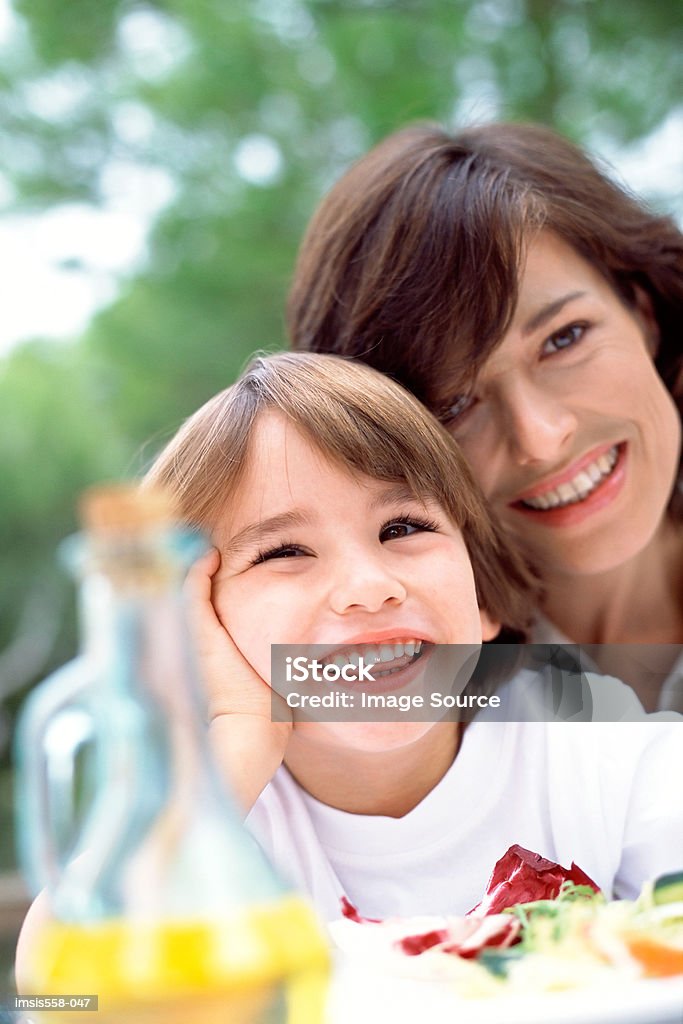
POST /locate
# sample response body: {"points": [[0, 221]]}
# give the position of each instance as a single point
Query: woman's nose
{"points": [[537, 424], [366, 584]]}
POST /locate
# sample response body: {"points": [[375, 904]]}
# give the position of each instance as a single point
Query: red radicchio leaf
{"points": [[348, 910], [465, 938], [521, 876], [413, 945], [579, 877], [503, 933]]}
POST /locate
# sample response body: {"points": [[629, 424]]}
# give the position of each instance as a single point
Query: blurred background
{"points": [[159, 163]]}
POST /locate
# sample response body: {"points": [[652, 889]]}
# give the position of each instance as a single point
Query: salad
{"points": [[539, 927]]}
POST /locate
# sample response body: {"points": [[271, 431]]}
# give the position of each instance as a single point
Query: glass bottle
{"points": [[160, 902]]}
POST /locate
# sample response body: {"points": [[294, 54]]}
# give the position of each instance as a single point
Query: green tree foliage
{"points": [[55, 440]]}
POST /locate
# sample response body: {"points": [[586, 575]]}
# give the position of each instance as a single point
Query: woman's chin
{"points": [[593, 552]]}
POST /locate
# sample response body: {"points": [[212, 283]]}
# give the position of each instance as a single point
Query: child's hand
{"points": [[248, 745]]}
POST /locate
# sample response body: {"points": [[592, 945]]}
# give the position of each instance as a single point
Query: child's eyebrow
{"points": [[265, 528], [395, 492]]}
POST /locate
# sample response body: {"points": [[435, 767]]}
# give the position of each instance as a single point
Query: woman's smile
{"points": [[589, 485]]}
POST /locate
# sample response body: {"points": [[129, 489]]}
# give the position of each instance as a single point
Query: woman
{"points": [[535, 307]]}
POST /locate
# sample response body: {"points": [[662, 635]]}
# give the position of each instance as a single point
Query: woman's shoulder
{"points": [[553, 686], [579, 725], [666, 676]]}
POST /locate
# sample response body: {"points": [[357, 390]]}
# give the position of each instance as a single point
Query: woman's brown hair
{"points": [[411, 262], [365, 423]]}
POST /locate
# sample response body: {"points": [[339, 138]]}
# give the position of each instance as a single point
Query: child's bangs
{"points": [[366, 423]]}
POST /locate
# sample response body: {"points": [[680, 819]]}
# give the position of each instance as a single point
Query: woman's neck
{"points": [[630, 619], [640, 601], [388, 783]]}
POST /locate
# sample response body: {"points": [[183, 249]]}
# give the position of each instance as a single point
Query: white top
{"points": [[606, 795], [671, 693]]}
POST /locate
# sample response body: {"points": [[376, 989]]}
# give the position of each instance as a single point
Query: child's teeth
{"points": [[373, 654]]}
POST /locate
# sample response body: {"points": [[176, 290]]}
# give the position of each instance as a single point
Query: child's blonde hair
{"points": [[362, 421]]}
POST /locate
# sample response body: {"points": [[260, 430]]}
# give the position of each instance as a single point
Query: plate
{"points": [[361, 995]]}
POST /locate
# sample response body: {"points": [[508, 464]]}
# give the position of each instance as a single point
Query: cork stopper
{"points": [[125, 508]]}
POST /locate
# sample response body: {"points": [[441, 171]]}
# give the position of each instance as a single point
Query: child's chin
{"points": [[366, 737]]}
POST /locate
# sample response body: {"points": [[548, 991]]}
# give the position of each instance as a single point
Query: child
{"points": [[342, 514]]}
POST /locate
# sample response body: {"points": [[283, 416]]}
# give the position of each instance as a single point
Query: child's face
{"points": [[311, 554]]}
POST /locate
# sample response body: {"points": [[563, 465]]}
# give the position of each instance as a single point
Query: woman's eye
{"points": [[565, 338], [460, 405], [399, 528]]}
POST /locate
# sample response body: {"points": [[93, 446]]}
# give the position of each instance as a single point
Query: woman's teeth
{"points": [[578, 489], [375, 654]]}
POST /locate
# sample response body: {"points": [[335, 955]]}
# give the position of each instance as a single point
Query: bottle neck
{"points": [[133, 621]]}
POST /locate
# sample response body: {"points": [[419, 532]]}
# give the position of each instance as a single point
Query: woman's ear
{"points": [[645, 314], [489, 627]]}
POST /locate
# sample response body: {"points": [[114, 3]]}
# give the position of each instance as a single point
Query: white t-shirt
{"points": [[604, 794]]}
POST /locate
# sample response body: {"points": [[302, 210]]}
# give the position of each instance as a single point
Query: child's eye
{"points": [[404, 526], [564, 338], [281, 551]]}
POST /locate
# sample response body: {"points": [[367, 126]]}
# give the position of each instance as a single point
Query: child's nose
{"points": [[365, 585]]}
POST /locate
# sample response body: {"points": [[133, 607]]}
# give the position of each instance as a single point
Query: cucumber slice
{"points": [[499, 961], [668, 888]]}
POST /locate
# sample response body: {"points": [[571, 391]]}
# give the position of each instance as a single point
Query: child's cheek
{"points": [[253, 621]]}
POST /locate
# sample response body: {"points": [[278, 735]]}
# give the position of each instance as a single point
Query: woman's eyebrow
{"points": [[266, 528], [548, 311]]}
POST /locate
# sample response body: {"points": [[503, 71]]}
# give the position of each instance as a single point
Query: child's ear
{"points": [[489, 627]]}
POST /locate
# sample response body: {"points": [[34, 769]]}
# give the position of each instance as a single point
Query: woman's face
{"points": [[569, 429], [311, 554]]}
